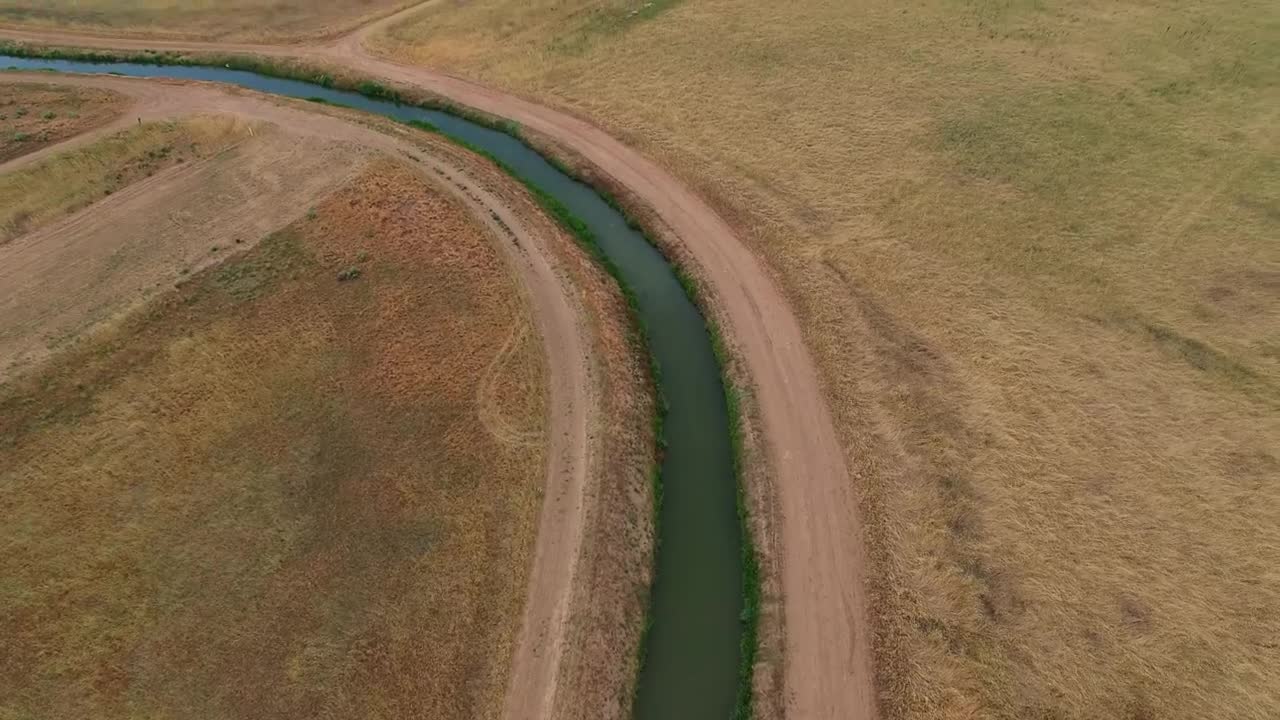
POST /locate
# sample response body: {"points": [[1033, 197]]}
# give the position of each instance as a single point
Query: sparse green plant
{"points": [[349, 274], [48, 115], [373, 89]]}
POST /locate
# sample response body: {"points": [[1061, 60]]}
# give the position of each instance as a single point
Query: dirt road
{"points": [[828, 660], [560, 322]]}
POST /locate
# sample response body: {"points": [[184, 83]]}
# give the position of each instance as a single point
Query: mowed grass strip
{"points": [[271, 493], [1033, 248], [33, 115], [54, 187], [199, 19]]}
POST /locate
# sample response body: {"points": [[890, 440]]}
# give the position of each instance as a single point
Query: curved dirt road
{"points": [[828, 660], [558, 314]]}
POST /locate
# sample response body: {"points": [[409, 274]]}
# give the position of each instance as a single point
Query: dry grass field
{"points": [[1034, 249], [273, 492], [33, 116], [199, 19]]}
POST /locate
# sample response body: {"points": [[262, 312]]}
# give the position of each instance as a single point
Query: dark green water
{"points": [[692, 655]]}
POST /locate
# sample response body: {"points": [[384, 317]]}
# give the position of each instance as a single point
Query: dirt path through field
{"points": [[560, 323], [828, 660]]}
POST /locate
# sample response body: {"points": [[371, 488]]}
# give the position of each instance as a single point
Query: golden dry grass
{"points": [[33, 116], [64, 183], [1033, 247], [270, 494], [199, 19]]}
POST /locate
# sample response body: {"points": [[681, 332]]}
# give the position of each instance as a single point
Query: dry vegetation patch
{"points": [[199, 19], [60, 185], [33, 116], [81, 270], [270, 493], [1032, 245]]}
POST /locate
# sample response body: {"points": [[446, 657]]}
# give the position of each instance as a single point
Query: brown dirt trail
{"points": [[828, 643]]}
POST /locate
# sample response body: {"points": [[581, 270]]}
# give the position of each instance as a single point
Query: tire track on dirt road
{"points": [[828, 643]]}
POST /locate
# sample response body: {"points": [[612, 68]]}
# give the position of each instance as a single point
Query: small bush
{"points": [[349, 274], [20, 137], [49, 115], [378, 91]]}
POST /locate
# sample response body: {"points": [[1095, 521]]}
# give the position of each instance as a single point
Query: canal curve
{"points": [[693, 646]]}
